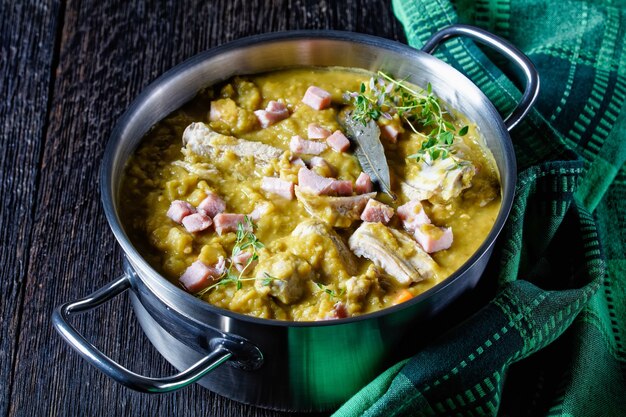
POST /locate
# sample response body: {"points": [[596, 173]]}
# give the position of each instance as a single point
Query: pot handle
{"points": [[60, 320], [505, 48]]}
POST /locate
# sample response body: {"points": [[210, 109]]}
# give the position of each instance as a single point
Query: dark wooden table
{"points": [[68, 70]]}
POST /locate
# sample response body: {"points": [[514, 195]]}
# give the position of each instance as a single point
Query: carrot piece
{"points": [[403, 295]]}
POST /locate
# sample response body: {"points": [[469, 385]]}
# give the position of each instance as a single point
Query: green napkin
{"points": [[552, 339]]}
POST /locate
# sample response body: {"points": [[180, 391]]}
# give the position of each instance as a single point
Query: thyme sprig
{"points": [[386, 97], [245, 239], [331, 293]]}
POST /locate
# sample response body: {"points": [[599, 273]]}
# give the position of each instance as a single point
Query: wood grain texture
{"points": [[107, 53], [26, 57]]}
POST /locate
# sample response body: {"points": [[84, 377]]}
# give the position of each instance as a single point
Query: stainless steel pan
{"points": [[269, 363]]}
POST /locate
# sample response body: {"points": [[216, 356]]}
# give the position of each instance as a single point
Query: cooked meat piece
{"points": [[276, 107], [179, 210], [339, 311], [312, 183], [201, 169], [334, 211], [439, 180], [416, 221], [199, 275], [323, 167], [315, 227], [415, 193], [241, 260], [266, 119], [228, 222], [298, 162], [393, 251], [412, 215], [364, 184], [316, 98], [433, 238], [390, 132], [300, 145], [277, 186], [212, 205], [197, 222], [342, 187], [375, 211], [202, 140], [338, 141], [273, 113], [283, 276], [315, 131], [260, 210]]}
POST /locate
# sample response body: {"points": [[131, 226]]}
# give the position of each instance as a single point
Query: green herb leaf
{"points": [[267, 279], [388, 96], [245, 238], [446, 137], [331, 294]]}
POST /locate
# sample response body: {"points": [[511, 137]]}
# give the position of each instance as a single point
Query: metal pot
{"points": [[270, 363]]}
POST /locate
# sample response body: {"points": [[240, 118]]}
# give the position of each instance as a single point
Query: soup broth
{"points": [[249, 197]]}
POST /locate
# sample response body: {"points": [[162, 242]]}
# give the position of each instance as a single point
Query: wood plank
{"points": [[26, 58], [109, 52]]}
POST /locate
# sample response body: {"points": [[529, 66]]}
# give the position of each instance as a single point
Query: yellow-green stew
{"points": [[251, 196]]}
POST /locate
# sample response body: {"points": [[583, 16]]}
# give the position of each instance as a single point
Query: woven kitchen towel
{"points": [[551, 341]]}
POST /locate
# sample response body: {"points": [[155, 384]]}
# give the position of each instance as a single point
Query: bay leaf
{"points": [[369, 150]]}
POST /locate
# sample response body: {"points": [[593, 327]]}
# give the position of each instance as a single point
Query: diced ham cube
{"points": [[316, 98], [312, 183], [273, 113], [220, 265], [197, 222], [241, 260], [212, 205], [389, 132], [363, 184], [298, 162], [324, 168], [277, 107], [227, 222], [179, 210], [433, 238], [301, 145], [266, 118], [341, 187], [260, 210], [338, 141], [277, 186], [412, 215], [199, 276], [318, 161], [339, 311], [375, 211], [315, 131]]}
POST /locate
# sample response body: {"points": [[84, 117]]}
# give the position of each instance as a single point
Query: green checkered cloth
{"points": [[550, 339]]}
